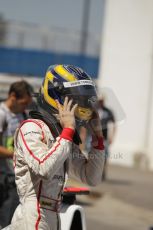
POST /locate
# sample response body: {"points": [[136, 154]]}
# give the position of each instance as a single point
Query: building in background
{"points": [[29, 49], [6, 80], [3, 28], [31, 45], [126, 67]]}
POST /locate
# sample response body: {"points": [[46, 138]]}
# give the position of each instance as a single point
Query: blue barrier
{"points": [[35, 62]]}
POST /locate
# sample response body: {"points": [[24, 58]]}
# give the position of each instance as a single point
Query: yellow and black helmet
{"points": [[67, 80]]}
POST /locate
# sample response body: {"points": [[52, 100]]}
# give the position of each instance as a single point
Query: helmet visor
{"points": [[84, 94]]}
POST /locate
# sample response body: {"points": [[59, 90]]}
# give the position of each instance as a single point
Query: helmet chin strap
{"points": [[80, 123]]}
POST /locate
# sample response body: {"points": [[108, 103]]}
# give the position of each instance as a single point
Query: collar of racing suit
{"points": [[52, 123]]}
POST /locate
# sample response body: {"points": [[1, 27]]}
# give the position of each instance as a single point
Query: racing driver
{"points": [[47, 147]]}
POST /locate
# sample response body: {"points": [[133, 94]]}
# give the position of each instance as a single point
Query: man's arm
{"points": [[90, 170], [83, 136], [111, 132], [31, 142], [4, 152]]}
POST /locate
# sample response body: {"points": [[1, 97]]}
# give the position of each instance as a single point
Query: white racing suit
{"points": [[40, 166]]}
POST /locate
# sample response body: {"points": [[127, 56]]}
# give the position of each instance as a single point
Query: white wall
{"points": [[126, 67]]}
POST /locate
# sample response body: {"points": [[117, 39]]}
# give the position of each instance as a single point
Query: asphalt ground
{"points": [[123, 202]]}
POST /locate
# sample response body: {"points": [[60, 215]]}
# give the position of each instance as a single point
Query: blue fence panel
{"points": [[34, 62]]}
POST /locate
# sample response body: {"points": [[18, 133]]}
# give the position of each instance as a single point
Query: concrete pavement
{"points": [[123, 202]]}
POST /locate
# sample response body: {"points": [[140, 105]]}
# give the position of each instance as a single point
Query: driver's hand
{"points": [[95, 125], [66, 113]]}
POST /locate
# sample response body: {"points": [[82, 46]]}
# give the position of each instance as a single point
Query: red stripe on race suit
{"points": [[32, 154], [42, 161], [38, 206], [37, 123]]}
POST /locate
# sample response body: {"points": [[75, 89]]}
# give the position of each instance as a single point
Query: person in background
{"points": [[108, 129], [12, 113]]}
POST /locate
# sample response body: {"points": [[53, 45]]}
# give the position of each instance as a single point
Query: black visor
{"points": [[84, 95]]}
